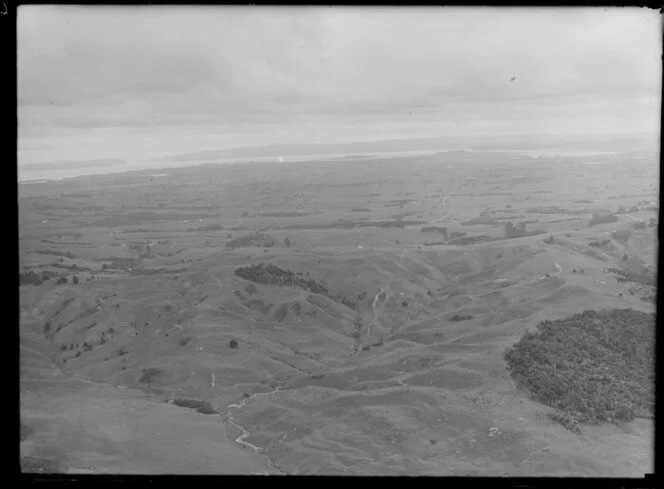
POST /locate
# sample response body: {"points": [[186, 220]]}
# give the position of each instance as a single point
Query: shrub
{"points": [[184, 340], [565, 420], [202, 407], [602, 219], [30, 277], [404, 304], [75, 279], [461, 317], [233, 344], [149, 375], [621, 235], [592, 367], [61, 280], [512, 231]]}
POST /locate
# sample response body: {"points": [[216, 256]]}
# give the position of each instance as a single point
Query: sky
{"points": [[143, 82]]}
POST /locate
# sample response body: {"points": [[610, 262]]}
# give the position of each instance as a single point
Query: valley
{"points": [[333, 317]]}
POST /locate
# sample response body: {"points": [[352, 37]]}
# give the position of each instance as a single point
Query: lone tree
{"points": [[75, 279], [233, 344], [287, 242]]}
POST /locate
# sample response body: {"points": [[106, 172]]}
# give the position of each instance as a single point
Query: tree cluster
{"points": [[269, 274], [257, 239], [602, 219]]}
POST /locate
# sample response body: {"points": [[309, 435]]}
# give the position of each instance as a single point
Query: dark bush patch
{"points": [[269, 274], [281, 313], [122, 352], [404, 304], [184, 340], [202, 407], [601, 219], [317, 376], [233, 344], [257, 239], [461, 317], [61, 280], [30, 277], [366, 348], [149, 375], [565, 420], [347, 302], [594, 367]]}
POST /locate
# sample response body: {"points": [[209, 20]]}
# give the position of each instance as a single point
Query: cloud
{"points": [[87, 67]]}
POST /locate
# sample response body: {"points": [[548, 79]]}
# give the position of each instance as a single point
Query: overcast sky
{"points": [[137, 82]]}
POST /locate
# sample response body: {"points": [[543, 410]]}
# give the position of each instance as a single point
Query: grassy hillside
{"points": [[339, 318]]}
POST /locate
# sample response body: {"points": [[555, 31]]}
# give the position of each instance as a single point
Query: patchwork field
{"points": [[347, 316]]}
